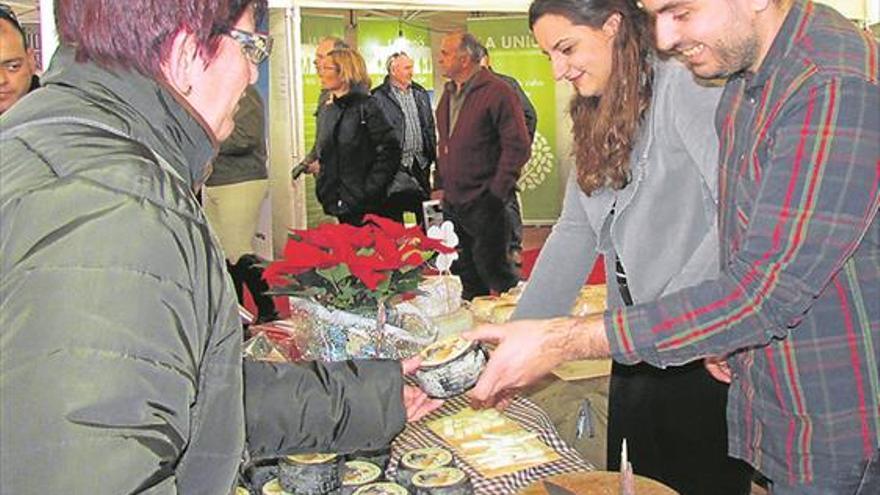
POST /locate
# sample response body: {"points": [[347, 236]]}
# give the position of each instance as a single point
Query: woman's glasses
{"points": [[255, 46]]}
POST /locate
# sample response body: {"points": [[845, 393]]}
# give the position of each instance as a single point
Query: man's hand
{"points": [[314, 167], [438, 194], [415, 401], [529, 349], [719, 369]]}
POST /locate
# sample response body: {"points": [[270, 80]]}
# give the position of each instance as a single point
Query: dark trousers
{"points": [[397, 204], [516, 224], [675, 428], [247, 272], [483, 229]]}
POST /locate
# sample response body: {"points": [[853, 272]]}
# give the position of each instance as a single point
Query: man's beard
{"points": [[731, 54]]}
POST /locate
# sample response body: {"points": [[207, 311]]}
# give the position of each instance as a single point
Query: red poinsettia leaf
{"points": [[361, 237], [305, 255], [428, 244], [390, 228], [367, 275], [387, 250], [413, 258], [277, 272]]}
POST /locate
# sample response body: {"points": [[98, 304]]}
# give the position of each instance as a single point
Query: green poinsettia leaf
{"points": [[335, 274]]}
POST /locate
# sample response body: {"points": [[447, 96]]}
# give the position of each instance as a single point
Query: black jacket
{"points": [[359, 155], [394, 113], [529, 112]]}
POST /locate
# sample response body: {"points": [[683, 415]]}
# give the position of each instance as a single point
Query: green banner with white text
{"points": [[380, 38], [514, 52]]}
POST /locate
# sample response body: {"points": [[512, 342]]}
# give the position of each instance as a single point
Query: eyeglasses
{"points": [[255, 46]]}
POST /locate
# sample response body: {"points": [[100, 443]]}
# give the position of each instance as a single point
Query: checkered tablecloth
{"points": [[522, 411]]}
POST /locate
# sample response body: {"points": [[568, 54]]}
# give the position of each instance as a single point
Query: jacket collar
{"points": [[151, 113], [480, 78], [354, 95], [789, 35], [386, 86]]}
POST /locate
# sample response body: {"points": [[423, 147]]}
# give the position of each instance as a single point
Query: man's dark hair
{"points": [[137, 34], [7, 14]]}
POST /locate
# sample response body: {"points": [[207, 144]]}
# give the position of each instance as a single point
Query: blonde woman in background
{"points": [[359, 151]]}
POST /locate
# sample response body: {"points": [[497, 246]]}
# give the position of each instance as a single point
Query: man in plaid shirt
{"points": [[796, 309]]}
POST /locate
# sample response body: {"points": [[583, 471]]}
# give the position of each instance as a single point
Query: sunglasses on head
{"points": [[255, 46], [7, 13]]}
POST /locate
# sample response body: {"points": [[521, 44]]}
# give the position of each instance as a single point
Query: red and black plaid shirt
{"points": [[799, 293]]}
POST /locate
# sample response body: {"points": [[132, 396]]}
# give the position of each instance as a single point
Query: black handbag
{"points": [[404, 183]]}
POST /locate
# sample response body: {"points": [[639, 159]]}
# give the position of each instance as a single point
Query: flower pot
{"points": [[330, 334]]}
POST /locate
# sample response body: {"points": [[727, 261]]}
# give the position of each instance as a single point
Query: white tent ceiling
{"points": [[856, 9], [456, 5]]}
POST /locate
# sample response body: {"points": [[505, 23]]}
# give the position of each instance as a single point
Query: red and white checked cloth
{"points": [[523, 412]]}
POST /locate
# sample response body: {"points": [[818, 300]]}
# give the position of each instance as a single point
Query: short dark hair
{"points": [[137, 34], [7, 14]]}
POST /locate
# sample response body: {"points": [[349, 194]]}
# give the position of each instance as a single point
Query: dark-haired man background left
{"points": [[17, 63]]}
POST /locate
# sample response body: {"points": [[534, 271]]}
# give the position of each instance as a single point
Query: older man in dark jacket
{"points": [[482, 147], [407, 107]]}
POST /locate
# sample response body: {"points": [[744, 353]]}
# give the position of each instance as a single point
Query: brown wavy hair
{"points": [[605, 127]]}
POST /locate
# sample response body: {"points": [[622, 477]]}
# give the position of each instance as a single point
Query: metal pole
{"points": [[48, 36]]}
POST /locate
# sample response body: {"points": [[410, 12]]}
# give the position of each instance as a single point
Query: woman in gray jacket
{"points": [[643, 194], [121, 367]]}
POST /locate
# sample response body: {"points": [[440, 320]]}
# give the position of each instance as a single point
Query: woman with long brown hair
{"points": [[642, 194]]}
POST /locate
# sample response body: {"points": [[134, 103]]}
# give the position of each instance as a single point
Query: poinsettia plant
{"points": [[349, 267]]}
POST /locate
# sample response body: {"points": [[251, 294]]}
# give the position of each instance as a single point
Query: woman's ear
{"points": [[612, 25], [182, 64]]}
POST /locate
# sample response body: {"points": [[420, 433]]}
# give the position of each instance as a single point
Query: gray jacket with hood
{"points": [[121, 367], [662, 225]]}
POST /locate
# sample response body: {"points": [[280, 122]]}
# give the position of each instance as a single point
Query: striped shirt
{"points": [[412, 128], [799, 293]]}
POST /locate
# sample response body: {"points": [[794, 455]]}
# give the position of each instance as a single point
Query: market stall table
{"points": [[522, 412]]}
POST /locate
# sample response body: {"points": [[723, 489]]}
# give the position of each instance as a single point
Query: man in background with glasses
{"points": [[310, 164], [17, 62]]}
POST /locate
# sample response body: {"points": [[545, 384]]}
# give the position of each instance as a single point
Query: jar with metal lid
{"points": [[442, 481], [273, 487], [420, 460], [450, 367], [384, 488], [356, 474], [311, 474]]}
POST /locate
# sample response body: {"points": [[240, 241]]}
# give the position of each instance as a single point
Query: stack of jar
{"points": [[427, 471]]}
